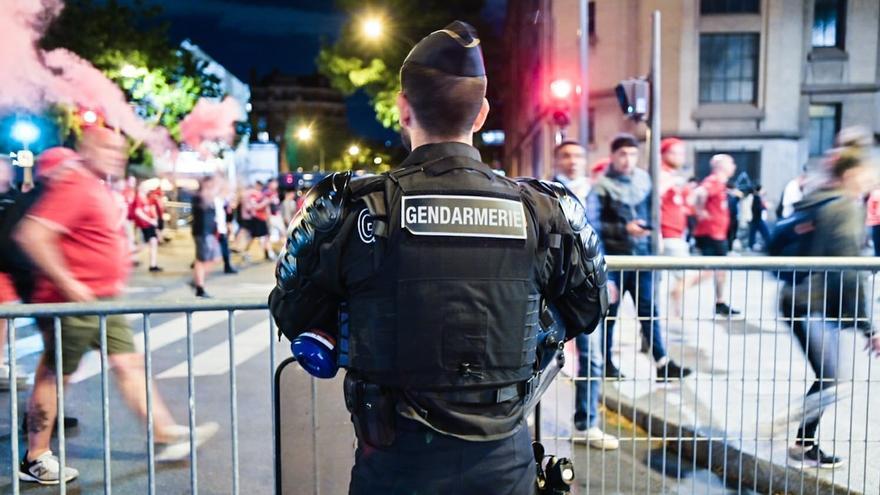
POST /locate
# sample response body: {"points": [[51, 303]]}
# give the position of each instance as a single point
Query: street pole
{"points": [[654, 127], [584, 126]]}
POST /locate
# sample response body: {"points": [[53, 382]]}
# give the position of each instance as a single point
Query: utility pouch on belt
{"points": [[372, 411]]}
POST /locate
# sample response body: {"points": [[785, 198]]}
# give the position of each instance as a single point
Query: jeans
{"points": [[643, 295], [754, 229], [591, 368], [875, 236], [819, 341], [224, 250]]}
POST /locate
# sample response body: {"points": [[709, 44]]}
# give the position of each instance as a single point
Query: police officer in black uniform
{"points": [[427, 283]]}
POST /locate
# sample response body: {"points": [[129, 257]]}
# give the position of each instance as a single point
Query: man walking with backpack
{"points": [[820, 305]]}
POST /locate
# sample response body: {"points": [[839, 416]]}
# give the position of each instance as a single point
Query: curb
{"points": [[743, 470]]}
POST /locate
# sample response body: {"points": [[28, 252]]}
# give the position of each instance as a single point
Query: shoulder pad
{"points": [[571, 207], [321, 212]]}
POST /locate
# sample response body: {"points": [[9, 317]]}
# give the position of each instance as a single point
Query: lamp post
{"points": [[305, 135], [26, 133], [373, 28]]}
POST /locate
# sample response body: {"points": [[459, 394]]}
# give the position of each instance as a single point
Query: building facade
{"points": [[282, 104], [767, 81]]}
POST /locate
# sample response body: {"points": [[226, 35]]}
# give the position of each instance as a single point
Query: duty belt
{"points": [[490, 396]]}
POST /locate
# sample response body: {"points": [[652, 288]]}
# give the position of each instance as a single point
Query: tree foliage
{"points": [[355, 63], [131, 46]]}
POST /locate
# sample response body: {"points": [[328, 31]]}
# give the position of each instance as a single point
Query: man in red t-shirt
{"points": [[74, 236], [713, 221], [674, 210], [146, 218]]}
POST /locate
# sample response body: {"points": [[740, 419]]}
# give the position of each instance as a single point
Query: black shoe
{"points": [[671, 371], [723, 309], [155, 269], [612, 372], [580, 425], [200, 292], [644, 348], [230, 271], [812, 456]]}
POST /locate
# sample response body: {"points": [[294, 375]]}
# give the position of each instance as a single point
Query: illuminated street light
{"points": [[377, 160], [90, 117], [354, 150], [373, 28], [304, 134], [561, 89], [25, 132], [129, 71]]}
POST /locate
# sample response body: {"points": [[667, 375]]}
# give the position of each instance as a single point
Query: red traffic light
{"points": [[561, 89]]}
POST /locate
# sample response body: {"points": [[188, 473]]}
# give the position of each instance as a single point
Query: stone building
{"points": [[768, 81]]}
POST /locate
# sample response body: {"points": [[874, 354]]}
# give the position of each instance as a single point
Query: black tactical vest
{"points": [[454, 302]]}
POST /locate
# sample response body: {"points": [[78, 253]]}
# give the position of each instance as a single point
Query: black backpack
{"points": [[793, 236], [14, 261]]}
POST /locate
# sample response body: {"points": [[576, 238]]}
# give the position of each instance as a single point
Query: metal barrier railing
{"points": [[145, 309], [728, 426]]}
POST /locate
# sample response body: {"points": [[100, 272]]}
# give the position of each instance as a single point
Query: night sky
{"points": [[267, 34]]}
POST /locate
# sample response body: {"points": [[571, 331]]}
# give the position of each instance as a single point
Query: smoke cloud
{"points": [[32, 78], [210, 121]]}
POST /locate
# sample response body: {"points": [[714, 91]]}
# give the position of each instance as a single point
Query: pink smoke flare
{"points": [[210, 121]]}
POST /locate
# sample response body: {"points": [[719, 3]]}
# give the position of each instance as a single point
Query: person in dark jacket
{"points": [[204, 230], [620, 206], [757, 224], [820, 305]]}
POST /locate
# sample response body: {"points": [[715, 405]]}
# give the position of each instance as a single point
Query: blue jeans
{"points": [[820, 342], [756, 227], [642, 295], [590, 367]]}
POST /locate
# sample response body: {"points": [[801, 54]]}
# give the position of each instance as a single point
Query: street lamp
{"points": [[377, 160], [25, 132], [373, 27], [354, 150], [304, 134], [90, 117]]}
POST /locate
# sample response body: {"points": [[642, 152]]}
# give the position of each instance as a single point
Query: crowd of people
{"points": [[702, 217]]}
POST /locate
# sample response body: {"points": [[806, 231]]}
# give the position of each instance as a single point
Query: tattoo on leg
{"points": [[37, 420]]}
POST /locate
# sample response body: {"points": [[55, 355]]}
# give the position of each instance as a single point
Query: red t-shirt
{"points": [[259, 212], [673, 205], [93, 245], [717, 220], [144, 212]]}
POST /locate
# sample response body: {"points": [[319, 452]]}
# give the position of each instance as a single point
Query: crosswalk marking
{"points": [[215, 361], [160, 336]]}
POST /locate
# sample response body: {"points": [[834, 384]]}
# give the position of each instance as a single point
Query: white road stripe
{"points": [[160, 336], [215, 361]]}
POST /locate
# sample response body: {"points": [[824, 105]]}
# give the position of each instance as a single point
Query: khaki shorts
{"points": [[82, 333]]}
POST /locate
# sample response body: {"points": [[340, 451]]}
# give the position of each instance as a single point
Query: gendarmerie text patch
{"points": [[463, 216]]}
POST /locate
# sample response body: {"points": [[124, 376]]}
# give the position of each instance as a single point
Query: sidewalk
{"points": [[738, 414]]}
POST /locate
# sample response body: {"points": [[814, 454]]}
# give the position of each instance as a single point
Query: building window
{"points": [[748, 167], [728, 68], [824, 125], [829, 22], [730, 7]]}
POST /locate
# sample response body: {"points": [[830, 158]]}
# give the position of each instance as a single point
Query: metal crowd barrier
{"points": [[727, 428], [146, 309]]}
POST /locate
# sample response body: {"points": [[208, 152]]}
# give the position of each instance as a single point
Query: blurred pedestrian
{"points": [[872, 219], [711, 202], [156, 198], [620, 206], [791, 194], [73, 234], [222, 211], [289, 206], [146, 218], [758, 222], [820, 305], [204, 231], [570, 163], [8, 292], [255, 214], [277, 227]]}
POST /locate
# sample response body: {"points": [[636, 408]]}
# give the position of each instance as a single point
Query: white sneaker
{"points": [[178, 448], [598, 439], [44, 470]]}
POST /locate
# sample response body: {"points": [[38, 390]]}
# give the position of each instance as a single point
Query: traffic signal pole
{"points": [[654, 129], [584, 125]]}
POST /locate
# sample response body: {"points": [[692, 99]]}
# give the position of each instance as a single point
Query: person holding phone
{"points": [[620, 207]]}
